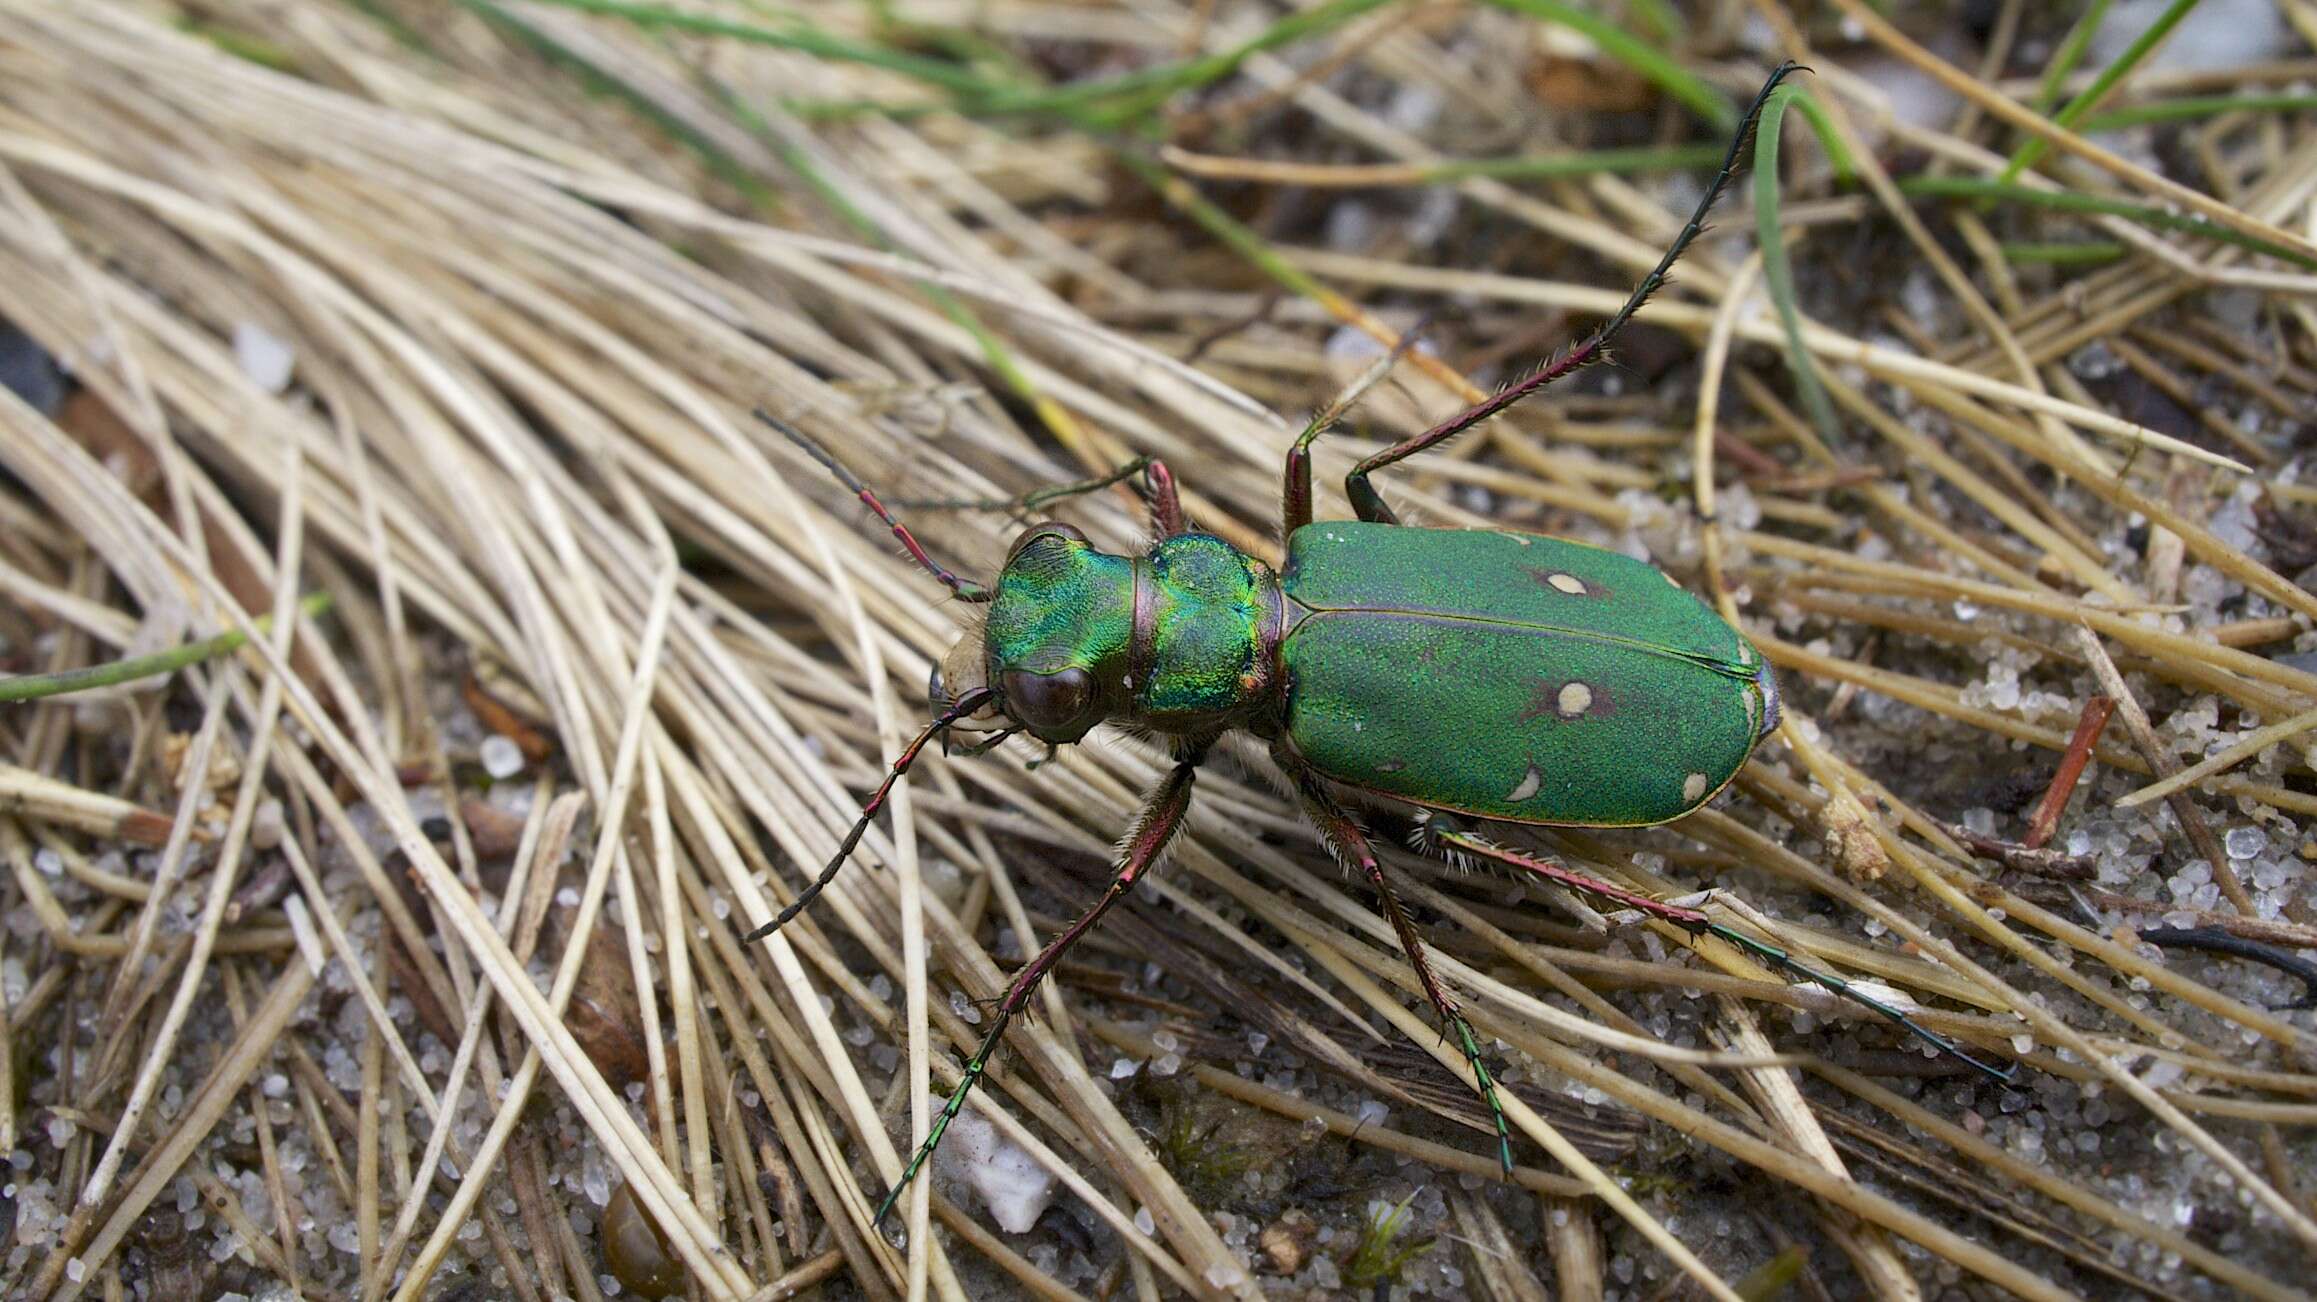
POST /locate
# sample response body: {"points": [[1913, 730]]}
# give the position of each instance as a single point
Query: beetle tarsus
{"points": [[1486, 1084], [1351, 848], [1162, 816]]}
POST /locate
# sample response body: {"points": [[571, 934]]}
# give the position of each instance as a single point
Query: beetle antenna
{"points": [[966, 589], [1593, 347], [1370, 504], [1023, 503], [1655, 280], [963, 706]]}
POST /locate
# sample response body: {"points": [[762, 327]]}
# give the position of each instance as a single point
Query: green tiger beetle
{"points": [[1466, 674]]}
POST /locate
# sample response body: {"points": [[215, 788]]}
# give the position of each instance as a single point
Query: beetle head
{"points": [[1053, 651]]}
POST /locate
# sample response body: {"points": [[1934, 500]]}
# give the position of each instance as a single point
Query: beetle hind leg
{"points": [[1446, 834], [1351, 848]]}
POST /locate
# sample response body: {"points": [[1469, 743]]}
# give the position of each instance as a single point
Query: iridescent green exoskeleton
{"points": [[1466, 674]]}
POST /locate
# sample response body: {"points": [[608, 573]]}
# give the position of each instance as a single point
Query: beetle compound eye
{"points": [[1049, 703], [1042, 530]]}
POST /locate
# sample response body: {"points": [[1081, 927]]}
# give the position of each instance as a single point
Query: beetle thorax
{"points": [[1180, 640], [1206, 634]]}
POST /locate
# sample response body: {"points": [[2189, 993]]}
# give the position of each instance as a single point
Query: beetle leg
{"points": [[1166, 506], [1161, 815], [1369, 505], [1295, 493], [1350, 847], [1445, 834]]}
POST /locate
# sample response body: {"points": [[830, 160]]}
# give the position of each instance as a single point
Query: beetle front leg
{"points": [[1350, 847], [1295, 492], [1161, 816], [1166, 504]]}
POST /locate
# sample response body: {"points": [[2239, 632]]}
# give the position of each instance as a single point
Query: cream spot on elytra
{"points": [[1527, 788], [1575, 699], [1568, 583], [1693, 787]]}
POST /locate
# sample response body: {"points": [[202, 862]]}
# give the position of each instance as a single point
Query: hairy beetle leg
{"points": [[1160, 818], [1350, 847], [1445, 833]]}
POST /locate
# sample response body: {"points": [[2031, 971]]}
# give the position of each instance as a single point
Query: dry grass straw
{"points": [[527, 328]]}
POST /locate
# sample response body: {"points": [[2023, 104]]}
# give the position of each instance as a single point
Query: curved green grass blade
{"points": [[1777, 271]]}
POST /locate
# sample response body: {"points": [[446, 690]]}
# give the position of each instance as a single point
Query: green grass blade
{"points": [[597, 80], [1967, 187], [1137, 93], [34, 687], [2070, 53], [806, 40], [1777, 271], [2079, 253], [1665, 24], [1829, 139], [1636, 54], [2115, 72], [1590, 162]]}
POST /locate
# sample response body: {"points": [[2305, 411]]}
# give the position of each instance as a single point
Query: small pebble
{"points": [[501, 757], [1011, 1183], [263, 356], [265, 826]]}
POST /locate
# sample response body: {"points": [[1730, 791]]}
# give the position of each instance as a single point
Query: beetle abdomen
{"points": [[1600, 694]]}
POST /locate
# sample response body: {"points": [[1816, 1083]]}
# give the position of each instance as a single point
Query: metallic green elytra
{"points": [[1497, 675], [1513, 677]]}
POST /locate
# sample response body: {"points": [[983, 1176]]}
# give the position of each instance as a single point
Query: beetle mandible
{"points": [[1471, 674]]}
